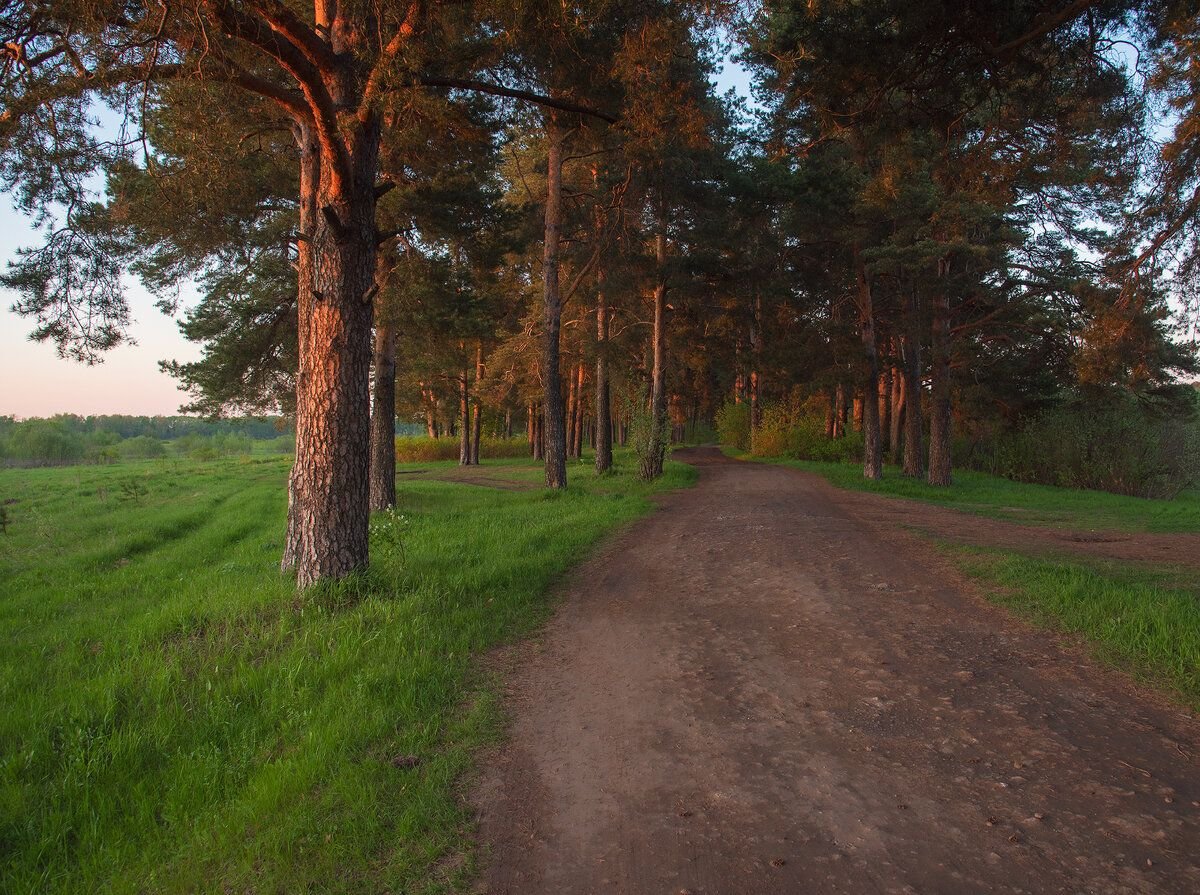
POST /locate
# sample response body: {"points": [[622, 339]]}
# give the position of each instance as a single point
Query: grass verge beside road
{"points": [[177, 719]]}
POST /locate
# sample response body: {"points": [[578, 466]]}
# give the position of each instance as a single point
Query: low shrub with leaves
{"points": [[733, 425], [423, 449], [1118, 444]]}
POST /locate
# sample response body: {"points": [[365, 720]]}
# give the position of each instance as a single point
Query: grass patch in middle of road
{"points": [[1144, 621], [999, 498]]}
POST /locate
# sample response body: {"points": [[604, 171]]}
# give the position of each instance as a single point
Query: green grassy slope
{"points": [[176, 719]]}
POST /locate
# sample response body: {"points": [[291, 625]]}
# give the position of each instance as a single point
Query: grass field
{"points": [[1146, 621], [176, 719], [987, 495]]}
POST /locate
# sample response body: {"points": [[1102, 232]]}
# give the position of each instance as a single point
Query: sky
{"points": [[35, 381]]}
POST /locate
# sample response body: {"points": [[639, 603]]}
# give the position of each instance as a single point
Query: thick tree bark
{"points": [[531, 430], [756, 365], [572, 412], [477, 421], [603, 398], [872, 447], [555, 433], [885, 406], [841, 411], [914, 426], [327, 536], [896, 413], [464, 419], [652, 463], [939, 410], [580, 418], [383, 419]]}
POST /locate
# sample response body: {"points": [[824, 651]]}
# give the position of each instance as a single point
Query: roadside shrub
{"points": [[423, 449], [648, 438], [799, 432], [1115, 445], [771, 438], [733, 425]]}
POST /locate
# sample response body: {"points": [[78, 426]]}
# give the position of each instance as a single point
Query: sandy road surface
{"points": [[751, 691]]}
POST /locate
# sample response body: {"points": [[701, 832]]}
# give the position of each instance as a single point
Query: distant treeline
{"points": [[68, 438]]}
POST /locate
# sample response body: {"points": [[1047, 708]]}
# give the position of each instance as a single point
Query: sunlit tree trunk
{"points": [[603, 398], [910, 349], [554, 432], [652, 463], [872, 447], [477, 422], [897, 412], [383, 419], [327, 535], [464, 418], [939, 374]]}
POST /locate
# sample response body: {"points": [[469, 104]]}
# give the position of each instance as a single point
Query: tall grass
{"points": [[176, 719]]}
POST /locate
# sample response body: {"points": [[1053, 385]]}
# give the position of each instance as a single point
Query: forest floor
{"points": [[773, 685]]}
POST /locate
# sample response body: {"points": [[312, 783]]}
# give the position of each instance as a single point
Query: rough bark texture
{"points": [[555, 437], [477, 420], [383, 420], [578, 424], [603, 398], [896, 414], [464, 419], [327, 535], [939, 410], [872, 446], [756, 365], [652, 463], [914, 429], [885, 406]]}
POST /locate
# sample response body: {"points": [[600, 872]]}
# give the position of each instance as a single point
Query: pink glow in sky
{"points": [[35, 381]]}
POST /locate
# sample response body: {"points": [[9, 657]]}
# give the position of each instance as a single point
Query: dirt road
{"points": [[751, 691]]}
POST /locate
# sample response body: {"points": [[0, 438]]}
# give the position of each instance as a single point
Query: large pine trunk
{"points": [[464, 419], [896, 414], [652, 462], [885, 406], [756, 409], [555, 437], [939, 374], [914, 426], [329, 499], [603, 400], [872, 446], [383, 420], [580, 416], [477, 421]]}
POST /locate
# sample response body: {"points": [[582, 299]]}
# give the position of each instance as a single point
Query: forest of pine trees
{"points": [[936, 233]]}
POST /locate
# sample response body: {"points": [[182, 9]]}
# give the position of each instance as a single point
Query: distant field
{"points": [[987, 495], [176, 719]]}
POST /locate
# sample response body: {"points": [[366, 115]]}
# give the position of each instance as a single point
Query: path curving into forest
{"points": [[752, 691]]}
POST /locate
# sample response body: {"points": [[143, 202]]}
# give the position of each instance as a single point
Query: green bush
{"points": [[44, 442], [143, 447], [733, 425], [1115, 444], [423, 449]]}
